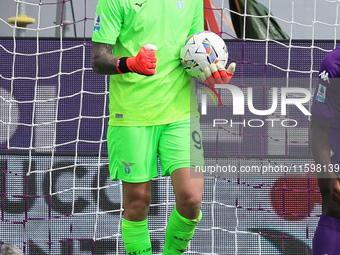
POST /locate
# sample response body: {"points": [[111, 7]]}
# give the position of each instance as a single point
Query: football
{"points": [[202, 49]]}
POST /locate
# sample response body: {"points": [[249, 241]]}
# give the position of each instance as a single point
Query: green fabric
{"points": [[136, 237], [256, 27], [137, 100], [173, 143], [179, 233]]}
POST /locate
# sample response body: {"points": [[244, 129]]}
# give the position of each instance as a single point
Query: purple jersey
{"points": [[326, 102], [327, 236]]}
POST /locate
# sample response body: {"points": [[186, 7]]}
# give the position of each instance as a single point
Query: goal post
{"points": [[21, 19], [65, 19]]}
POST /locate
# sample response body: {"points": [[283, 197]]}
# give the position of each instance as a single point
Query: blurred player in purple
{"points": [[325, 142]]}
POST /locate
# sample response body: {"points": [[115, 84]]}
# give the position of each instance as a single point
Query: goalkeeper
{"points": [[325, 142], [153, 112]]}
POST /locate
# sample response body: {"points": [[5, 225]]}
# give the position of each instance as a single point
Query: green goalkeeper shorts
{"points": [[134, 151]]}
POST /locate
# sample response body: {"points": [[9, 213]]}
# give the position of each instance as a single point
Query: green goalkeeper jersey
{"points": [[166, 97]]}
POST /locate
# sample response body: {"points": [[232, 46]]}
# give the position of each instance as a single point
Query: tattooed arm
{"points": [[103, 62]]}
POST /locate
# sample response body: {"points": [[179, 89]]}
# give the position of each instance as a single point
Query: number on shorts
{"points": [[196, 137]]}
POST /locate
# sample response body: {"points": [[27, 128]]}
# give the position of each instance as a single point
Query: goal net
{"points": [[260, 197]]}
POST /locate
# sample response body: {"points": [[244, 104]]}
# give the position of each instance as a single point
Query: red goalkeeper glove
{"points": [[144, 63], [217, 74]]}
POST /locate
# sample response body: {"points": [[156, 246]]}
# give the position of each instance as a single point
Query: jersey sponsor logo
{"points": [[180, 4], [96, 26], [127, 166], [119, 115], [140, 4], [324, 76], [321, 95]]}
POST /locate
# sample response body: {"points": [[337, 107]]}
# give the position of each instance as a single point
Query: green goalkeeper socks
{"points": [[178, 233], [136, 237]]}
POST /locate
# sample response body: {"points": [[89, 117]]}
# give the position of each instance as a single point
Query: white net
{"points": [[56, 196]]}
